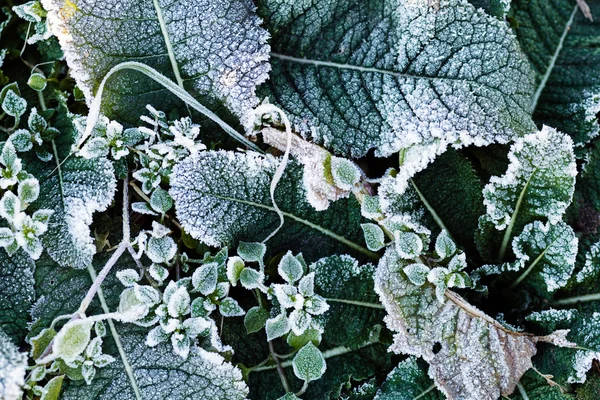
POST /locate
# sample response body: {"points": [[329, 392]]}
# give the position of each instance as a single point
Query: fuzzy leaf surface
{"points": [[214, 49], [570, 99], [17, 293], [223, 197], [471, 356], [389, 75]]}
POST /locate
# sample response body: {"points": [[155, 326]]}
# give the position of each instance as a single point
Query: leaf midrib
{"points": [[310, 224]]}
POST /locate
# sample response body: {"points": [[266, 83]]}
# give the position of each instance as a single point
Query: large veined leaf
{"points": [[471, 356], [161, 374], [12, 369], [354, 310], [17, 293], [223, 197], [214, 49], [570, 365], [562, 46], [389, 75]]}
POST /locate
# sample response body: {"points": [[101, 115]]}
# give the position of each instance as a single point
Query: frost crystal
{"points": [[218, 48]]}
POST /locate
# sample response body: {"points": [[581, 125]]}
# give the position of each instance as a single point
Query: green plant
{"points": [[220, 199]]}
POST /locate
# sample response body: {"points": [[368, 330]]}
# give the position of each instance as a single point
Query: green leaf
{"points": [[160, 201], [230, 308], [52, 388], [397, 76], [408, 381], [252, 252], [161, 374], [215, 52], [223, 197], [561, 44], [309, 364], [355, 311], [204, 278], [17, 293], [538, 184], [470, 355], [374, 236], [72, 339], [546, 256], [289, 268], [255, 319], [12, 369], [37, 82]]}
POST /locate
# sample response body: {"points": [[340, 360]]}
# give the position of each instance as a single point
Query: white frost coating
{"points": [[12, 369], [541, 164], [591, 108], [418, 80], [552, 247], [553, 315], [88, 186], [592, 264], [219, 48], [319, 191], [236, 179], [583, 358], [160, 375], [477, 358]]}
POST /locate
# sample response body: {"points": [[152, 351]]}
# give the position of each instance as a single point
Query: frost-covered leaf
{"points": [[128, 277], [252, 252], [591, 267], [204, 278], [12, 369], [560, 42], [374, 236], [355, 310], [17, 293], [545, 254], [397, 76], [72, 339], [37, 82], [230, 308], [215, 50], [235, 266], [255, 319], [83, 188], [161, 249], [222, 197], [277, 326], [160, 201], [406, 382], [471, 356], [308, 363], [289, 268], [251, 278], [538, 183], [160, 374]]}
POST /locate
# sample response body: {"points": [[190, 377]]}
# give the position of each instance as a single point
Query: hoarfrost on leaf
{"points": [[471, 356], [309, 363], [12, 369], [213, 50], [398, 76], [539, 181]]}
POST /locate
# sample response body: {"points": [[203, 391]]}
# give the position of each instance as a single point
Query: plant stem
{"points": [[140, 193], [356, 303], [85, 303], [117, 339], [577, 299], [522, 391], [282, 377], [150, 72]]}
